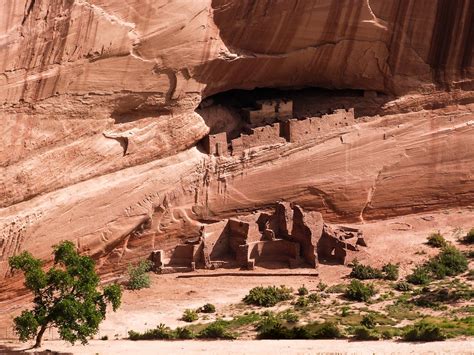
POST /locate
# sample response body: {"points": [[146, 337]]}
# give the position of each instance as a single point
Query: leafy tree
{"points": [[138, 277], [65, 296]]}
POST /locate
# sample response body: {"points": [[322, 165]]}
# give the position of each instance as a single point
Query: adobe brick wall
{"points": [[296, 131], [260, 136]]}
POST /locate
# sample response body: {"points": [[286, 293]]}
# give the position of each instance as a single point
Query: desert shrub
{"points": [[302, 291], [338, 288], [105, 337], [345, 311], [314, 298], [290, 317], [469, 238], [387, 334], [364, 272], [183, 333], [268, 296], [358, 291], [302, 302], [189, 316], [436, 240], [160, 332], [424, 331], [138, 277], [450, 262], [272, 328], [207, 308], [216, 330], [403, 286], [368, 321], [322, 286], [364, 333], [326, 330], [390, 272], [420, 276]]}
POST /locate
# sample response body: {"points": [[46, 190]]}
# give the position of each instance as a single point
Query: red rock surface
{"points": [[99, 131]]}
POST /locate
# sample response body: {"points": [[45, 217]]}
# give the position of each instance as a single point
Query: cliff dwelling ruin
{"points": [[245, 121], [287, 237]]}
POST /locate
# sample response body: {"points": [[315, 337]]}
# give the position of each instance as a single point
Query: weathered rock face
{"points": [[99, 131]]}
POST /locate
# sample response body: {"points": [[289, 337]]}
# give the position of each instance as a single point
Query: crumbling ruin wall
{"points": [[268, 112], [259, 136], [216, 144], [279, 250], [296, 131], [307, 229]]}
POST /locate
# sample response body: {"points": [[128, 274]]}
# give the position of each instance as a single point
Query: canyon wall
{"points": [[99, 134]]}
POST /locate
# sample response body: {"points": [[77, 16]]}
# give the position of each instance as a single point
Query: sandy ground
{"points": [[401, 240], [262, 347]]}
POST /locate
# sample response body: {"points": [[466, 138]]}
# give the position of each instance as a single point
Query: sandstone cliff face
{"points": [[99, 131]]}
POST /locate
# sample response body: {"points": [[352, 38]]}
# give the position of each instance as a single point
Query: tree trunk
{"points": [[39, 337]]}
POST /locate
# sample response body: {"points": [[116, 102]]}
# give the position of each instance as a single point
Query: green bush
{"points": [[420, 276], [403, 286], [436, 240], [268, 296], [302, 291], [358, 291], [290, 317], [207, 308], [302, 302], [273, 328], [391, 272], [368, 321], [322, 286], [450, 262], [138, 277], [338, 288], [183, 333], [189, 316], [424, 331], [387, 334], [314, 298], [160, 332], [469, 238], [364, 333], [364, 272], [216, 330]]}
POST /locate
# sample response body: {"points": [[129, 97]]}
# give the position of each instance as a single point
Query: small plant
{"points": [[364, 272], [390, 271], [338, 288], [424, 331], [314, 298], [368, 321], [138, 277], [358, 291], [216, 330], [322, 286], [436, 240], [403, 286], [420, 276], [387, 334], [183, 333], [105, 337], [450, 262], [302, 291], [207, 308], [159, 333], [268, 296], [469, 238], [364, 333], [290, 317], [302, 302], [189, 316], [345, 311]]}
